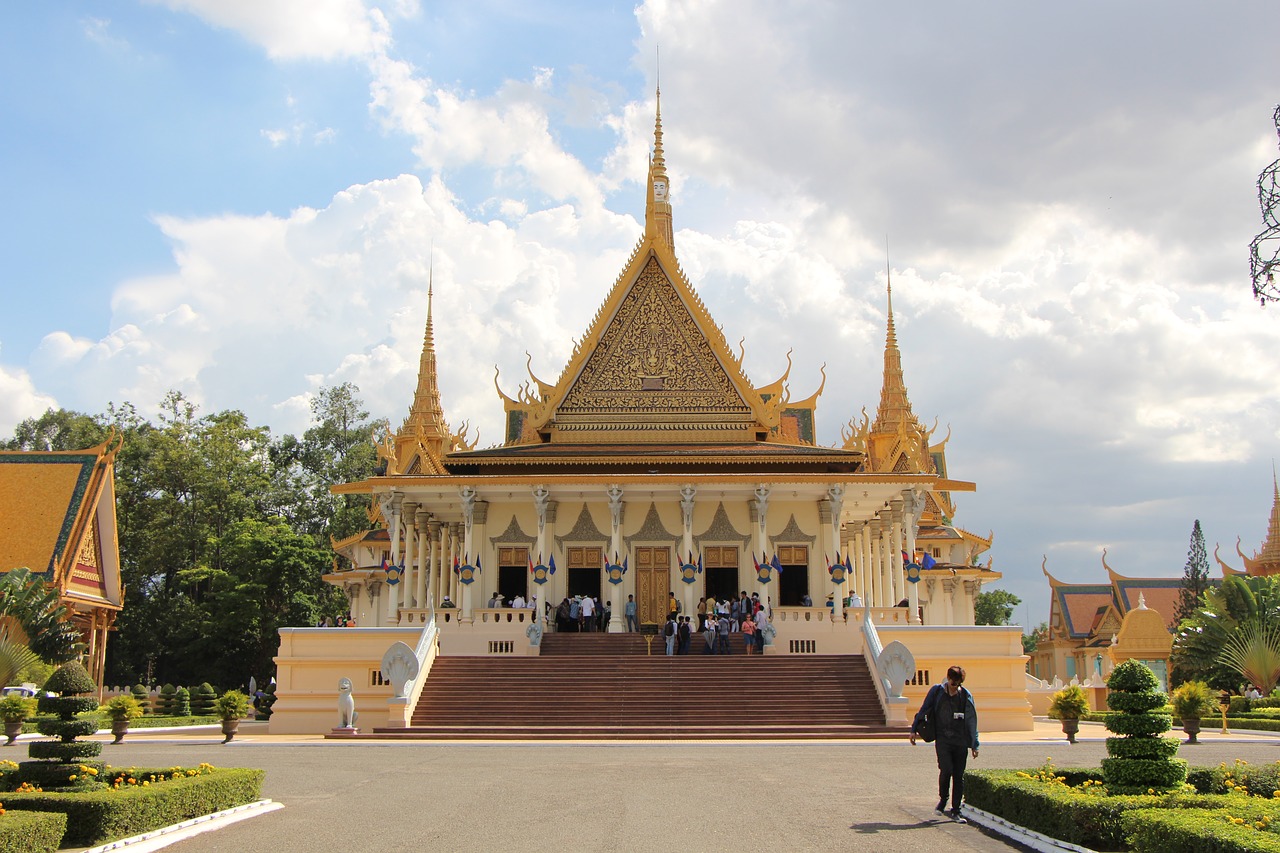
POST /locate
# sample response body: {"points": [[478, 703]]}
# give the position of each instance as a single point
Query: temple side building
{"points": [[58, 519], [652, 468]]}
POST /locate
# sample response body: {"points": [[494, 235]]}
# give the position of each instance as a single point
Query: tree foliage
{"points": [[1227, 608], [223, 529], [31, 615], [994, 607], [1195, 576]]}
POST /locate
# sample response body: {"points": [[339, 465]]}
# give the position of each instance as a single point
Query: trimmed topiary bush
{"points": [[1143, 763], [181, 702], [164, 700], [143, 695], [202, 699], [55, 770]]}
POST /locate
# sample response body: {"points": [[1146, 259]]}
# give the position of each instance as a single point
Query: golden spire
{"points": [[895, 409], [425, 423], [657, 214], [1270, 553]]}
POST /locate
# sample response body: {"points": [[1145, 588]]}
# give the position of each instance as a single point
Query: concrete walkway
{"points": [[875, 796]]}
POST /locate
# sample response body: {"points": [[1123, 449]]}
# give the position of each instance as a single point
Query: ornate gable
{"points": [[655, 374]]}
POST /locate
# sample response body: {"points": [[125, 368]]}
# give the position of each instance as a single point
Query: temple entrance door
{"points": [[653, 584], [721, 572], [584, 571], [793, 583]]}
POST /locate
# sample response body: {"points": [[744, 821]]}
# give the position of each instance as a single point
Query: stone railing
{"points": [[400, 708], [887, 671], [879, 615], [491, 631], [502, 615]]}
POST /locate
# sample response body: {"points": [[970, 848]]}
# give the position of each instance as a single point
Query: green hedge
{"points": [[156, 722], [100, 816], [1091, 821], [1239, 704], [31, 832], [1196, 831], [64, 752], [67, 730]]}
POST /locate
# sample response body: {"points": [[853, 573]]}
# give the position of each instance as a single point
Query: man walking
{"points": [[588, 613], [956, 732], [669, 634], [684, 635]]}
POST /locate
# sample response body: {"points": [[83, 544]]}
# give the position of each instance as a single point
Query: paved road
{"points": [[649, 798]]}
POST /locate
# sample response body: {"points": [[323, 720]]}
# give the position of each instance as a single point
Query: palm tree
{"points": [[1254, 652], [1201, 638], [14, 658], [31, 615]]}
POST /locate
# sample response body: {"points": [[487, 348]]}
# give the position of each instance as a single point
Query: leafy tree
{"points": [[204, 503], [1201, 638], [1031, 641], [994, 607], [31, 615], [1195, 576], [270, 578]]}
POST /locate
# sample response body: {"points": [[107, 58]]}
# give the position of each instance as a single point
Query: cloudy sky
{"points": [[239, 199]]}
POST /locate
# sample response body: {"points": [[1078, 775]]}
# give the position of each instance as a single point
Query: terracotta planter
{"points": [[1069, 727], [12, 730], [1191, 725], [119, 728], [229, 729]]}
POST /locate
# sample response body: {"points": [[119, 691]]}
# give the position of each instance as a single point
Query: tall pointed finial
{"points": [[894, 413], [425, 426], [658, 207], [892, 338], [429, 340]]}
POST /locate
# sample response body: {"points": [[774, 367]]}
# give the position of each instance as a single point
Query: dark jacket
{"points": [[930, 703]]}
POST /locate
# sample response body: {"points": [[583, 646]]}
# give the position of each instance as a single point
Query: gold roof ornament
{"points": [[1265, 561], [424, 437]]}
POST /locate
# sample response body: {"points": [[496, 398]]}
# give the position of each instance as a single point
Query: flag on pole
{"points": [[928, 562]]}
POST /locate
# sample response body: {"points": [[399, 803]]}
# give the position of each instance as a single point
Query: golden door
{"points": [[653, 584]]}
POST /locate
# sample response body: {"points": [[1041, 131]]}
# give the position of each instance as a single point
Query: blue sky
{"points": [[239, 199]]}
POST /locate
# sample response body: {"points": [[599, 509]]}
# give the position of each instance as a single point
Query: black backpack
{"points": [[670, 630]]}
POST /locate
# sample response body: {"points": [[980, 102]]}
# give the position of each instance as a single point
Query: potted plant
{"points": [[15, 710], [1191, 702], [1068, 705], [121, 709], [231, 706]]}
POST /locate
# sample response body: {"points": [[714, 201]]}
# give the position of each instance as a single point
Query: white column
{"points": [[909, 530], [687, 494], [864, 554], [420, 573], [403, 591], [835, 498], [393, 526], [437, 581], [616, 510], [457, 548], [895, 548], [541, 497], [760, 514]]}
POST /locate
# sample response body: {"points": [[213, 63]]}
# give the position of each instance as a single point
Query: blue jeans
{"points": [[671, 644], [633, 624]]}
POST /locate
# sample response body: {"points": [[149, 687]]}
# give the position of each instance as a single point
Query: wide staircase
{"points": [[607, 687]]}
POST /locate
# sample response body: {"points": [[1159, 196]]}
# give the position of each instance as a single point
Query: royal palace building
{"points": [[654, 468]]}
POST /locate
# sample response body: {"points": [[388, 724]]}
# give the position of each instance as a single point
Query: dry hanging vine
{"points": [[1263, 268]]}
